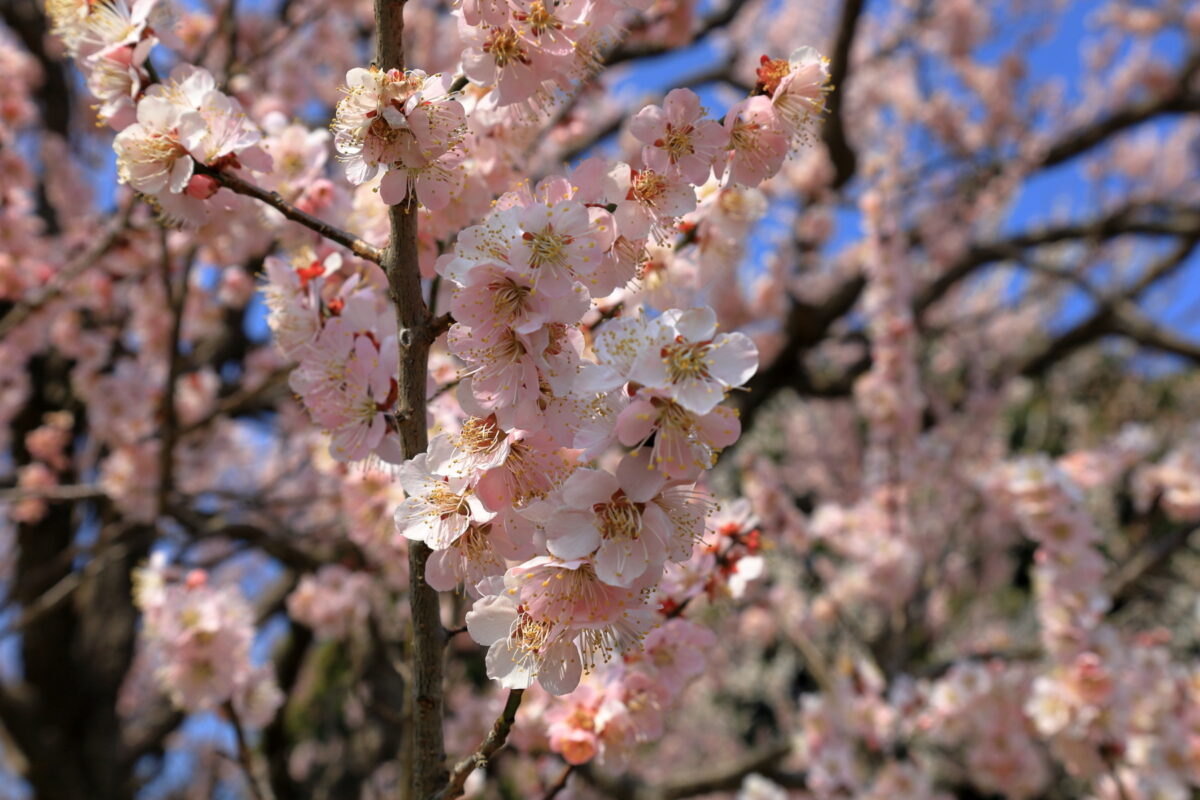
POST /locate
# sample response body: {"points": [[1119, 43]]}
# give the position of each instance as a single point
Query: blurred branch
{"points": [[1181, 99], [73, 269], [718, 19], [260, 787], [724, 779], [176, 301], [844, 160]]}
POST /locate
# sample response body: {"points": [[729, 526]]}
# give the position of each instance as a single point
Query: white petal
{"points": [[501, 667], [561, 668], [491, 618], [572, 534]]}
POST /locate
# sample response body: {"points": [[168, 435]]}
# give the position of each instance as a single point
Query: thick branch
{"points": [[1082, 139], [427, 750], [845, 162]]}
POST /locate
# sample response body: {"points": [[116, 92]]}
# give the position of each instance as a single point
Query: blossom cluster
{"points": [[335, 324], [530, 477], [198, 636]]}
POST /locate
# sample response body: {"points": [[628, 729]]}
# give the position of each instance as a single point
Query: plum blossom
{"points": [[405, 124], [653, 202], [797, 87], [691, 363], [439, 508], [677, 141], [549, 620], [613, 518], [757, 141]]}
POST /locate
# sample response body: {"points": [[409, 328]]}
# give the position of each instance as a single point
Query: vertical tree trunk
{"points": [[427, 753]]}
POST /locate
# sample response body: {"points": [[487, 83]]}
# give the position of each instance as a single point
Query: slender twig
{"points": [[241, 186], [54, 494], [74, 268], [560, 783], [241, 400], [259, 786], [491, 744], [176, 301]]}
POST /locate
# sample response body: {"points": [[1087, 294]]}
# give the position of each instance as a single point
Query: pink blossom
{"points": [[677, 141], [691, 363], [757, 142]]}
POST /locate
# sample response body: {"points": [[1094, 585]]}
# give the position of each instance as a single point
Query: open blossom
{"points": [[90, 27], [403, 123], [797, 87], [675, 652], [183, 119], [199, 637], [613, 518], [356, 418], [334, 602], [691, 363], [480, 553], [653, 202], [150, 156], [549, 619], [677, 141], [219, 133], [575, 724], [116, 77], [495, 296], [501, 57], [439, 508], [555, 245], [757, 141], [684, 442]]}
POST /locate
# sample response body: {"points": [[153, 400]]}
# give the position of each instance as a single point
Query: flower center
{"points": [[480, 435], [539, 19], [677, 142], [446, 503], [547, 248], [509, 298], [649, 187], [619, 519], [505, 48], [686, 360], [771, 72]]}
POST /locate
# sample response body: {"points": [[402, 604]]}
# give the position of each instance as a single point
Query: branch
{"points": [[259, 786], [495, 740], [1121, 221], [1155, 551], [74, 268], [241, 186], [711, 23], [1084, 138], [845, 162], [427, 753], [560, 783], [725, 779], [169, 430], [1118, 315]]}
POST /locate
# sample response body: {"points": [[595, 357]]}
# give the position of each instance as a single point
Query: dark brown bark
{"points": [[427, 752]]}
